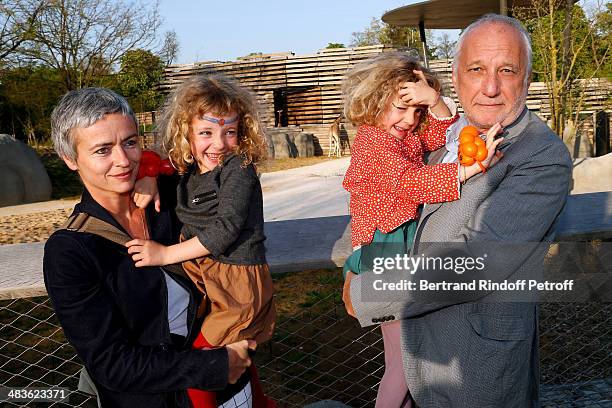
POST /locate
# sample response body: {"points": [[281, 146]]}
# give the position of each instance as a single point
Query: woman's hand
{"points": [[145, 191], [147, 253], [238, 358]]}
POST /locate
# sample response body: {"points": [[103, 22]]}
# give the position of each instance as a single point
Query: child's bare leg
{"points": [[393, 390]]}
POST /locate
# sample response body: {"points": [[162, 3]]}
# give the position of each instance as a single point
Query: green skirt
{"points": [[400, 238]]}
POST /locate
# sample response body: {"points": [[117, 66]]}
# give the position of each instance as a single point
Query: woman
{"points": [[132, 327]]}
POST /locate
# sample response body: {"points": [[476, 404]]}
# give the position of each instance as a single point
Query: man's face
{"points": [[490, 75]]}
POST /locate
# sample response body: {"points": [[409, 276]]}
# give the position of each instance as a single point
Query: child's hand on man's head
{"points": [[145, 191], [147, 253]]}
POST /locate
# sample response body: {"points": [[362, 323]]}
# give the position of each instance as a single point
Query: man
{"points": [[483, 354]]}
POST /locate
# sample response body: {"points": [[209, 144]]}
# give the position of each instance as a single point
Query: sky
{"points": [[222, 30]]}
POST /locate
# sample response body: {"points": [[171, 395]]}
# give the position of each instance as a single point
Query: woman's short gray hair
{"points": [[81, 109], [496, 19]]}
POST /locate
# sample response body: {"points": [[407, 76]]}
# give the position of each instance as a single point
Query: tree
{"points": [[567, 45], [86, 38], [335, 45], [27, 97], [445, 47], [380, 32], [139, 77], [17, 20], [170, 48]]}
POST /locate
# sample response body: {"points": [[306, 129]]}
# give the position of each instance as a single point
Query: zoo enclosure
{"points": [[303, 91]]}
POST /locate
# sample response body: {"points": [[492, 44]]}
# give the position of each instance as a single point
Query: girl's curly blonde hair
{"points": [[211, 93], [368, 87]]}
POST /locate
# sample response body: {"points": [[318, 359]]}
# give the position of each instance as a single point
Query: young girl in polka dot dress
{"points": [[397, 105]]}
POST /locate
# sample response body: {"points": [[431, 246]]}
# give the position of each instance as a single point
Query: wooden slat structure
{"points": [[305, 90], [293, 90]]}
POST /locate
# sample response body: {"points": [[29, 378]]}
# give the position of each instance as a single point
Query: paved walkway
{"points": [[306, 192], [303, 192], [306, 224]]}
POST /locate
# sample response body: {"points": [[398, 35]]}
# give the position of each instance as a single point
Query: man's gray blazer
{"points": [[483, 354]]}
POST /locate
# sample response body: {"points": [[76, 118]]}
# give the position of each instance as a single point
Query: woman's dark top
{"points": [[224, 209], [115, 315]]}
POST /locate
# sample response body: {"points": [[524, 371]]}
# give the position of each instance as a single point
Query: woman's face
{"points": [[108, 154], [213, 135]]}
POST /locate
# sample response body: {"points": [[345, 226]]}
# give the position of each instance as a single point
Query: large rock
{"points": [[281, 145], [304, 143], [288, 142], [592, 174], [22, 175]]}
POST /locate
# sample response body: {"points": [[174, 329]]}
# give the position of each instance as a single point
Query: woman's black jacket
{"points": [[115, 315]]}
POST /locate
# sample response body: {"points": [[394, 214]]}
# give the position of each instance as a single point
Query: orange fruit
{"points": [[468, 134], [467, 161], [465, 138], [481, 153], [469, 130], [468, 149], [479, 142]]}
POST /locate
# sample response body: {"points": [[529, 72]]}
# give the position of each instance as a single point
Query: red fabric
{"points": [[200, 398], [260, 400], [207, 399], [388, 179]]}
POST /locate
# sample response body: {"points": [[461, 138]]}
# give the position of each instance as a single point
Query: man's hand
{"points": [[493, 156], [346, 294], [238, 358], [146, 252]]}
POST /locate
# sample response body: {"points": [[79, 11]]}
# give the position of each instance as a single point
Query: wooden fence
{"points": [[305, 91]]}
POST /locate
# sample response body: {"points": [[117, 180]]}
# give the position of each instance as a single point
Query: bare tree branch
{"points": [[18, 19], [86, 38]]}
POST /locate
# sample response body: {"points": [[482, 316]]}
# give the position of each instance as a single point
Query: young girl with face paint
{"points": [[213, 136], [400, 115]]}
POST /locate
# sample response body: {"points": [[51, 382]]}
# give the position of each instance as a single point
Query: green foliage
{"points": [[141, 71], [335, 45], [380, 32], [567, 47], [445, 46], [540, 28], [84, 39], [603, 31], [27, 97], [18, 18], [65, 183]]}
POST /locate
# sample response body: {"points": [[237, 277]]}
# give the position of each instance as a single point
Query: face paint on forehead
{"points": [[220, 121]]}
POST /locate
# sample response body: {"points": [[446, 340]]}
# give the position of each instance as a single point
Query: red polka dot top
{"points": [[388, 179]]}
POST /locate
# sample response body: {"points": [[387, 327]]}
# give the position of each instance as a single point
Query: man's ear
{"points": [[72, 165], [529, 78]]}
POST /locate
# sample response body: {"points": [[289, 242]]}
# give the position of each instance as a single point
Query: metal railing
{"points": [[320, 353]]}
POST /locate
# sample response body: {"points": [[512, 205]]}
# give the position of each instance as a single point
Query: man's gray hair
{"points": [[81, 109], [496, 19]]}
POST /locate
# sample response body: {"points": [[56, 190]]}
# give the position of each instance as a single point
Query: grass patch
{"points": [[290, 163]]}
